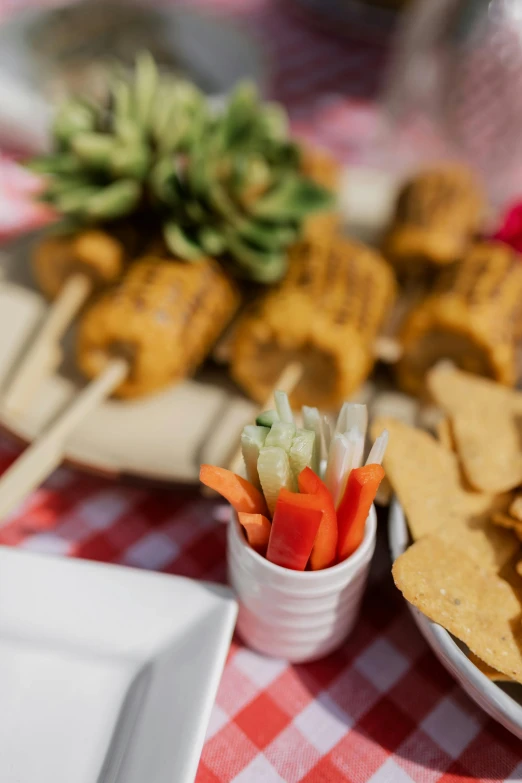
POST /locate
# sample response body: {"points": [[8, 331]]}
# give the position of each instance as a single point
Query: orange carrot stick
{"points": [[240, 493], [257, 530], [353, 511]]}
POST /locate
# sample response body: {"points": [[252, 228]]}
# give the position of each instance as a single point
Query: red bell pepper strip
{"points": [[354, 508], [257, 530], [240, 493], [325, 546], [295, 524]]}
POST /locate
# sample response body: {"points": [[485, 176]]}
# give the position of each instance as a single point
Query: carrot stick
{"points": [[240, 493], [257, 530], [353, 511]]}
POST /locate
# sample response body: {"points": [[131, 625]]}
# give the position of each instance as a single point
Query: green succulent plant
{"points": [[239, 191], [222, 182], [102, 156]]}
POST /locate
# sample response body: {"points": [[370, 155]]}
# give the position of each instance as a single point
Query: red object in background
{"points": [[20, 210], [510, 231], [294, 529], [325, 545], [353, 511]]}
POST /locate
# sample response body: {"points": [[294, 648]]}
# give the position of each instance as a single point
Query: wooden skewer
{"points": [[222, 353], [286, 382], [46, 453], [42, 358], [387, 349]]}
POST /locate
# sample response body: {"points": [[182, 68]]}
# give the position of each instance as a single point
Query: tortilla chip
{"points": [[486, 420], [491, 674], [426, 478], [519, 567], [423, 474], [515, 508], [487, 545], [510, 575], [429, 418], [505, 520], [477, 607], [445, 434]]}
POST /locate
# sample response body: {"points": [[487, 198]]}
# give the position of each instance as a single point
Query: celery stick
{"points": [[339, 456], [376, 455], [312, 421], [302, 452], [267, 418], [281, 435], [353, 458], [283, 407], [327, 433], [352, 415], [252, 441], [274, 473], [341, 419], [357, 416], [356, 437]]}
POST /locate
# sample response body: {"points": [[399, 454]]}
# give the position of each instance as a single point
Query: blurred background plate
{"points": [[502, 701], [164, 437], [46, 53]]}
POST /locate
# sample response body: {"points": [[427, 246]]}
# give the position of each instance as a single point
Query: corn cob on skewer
{"points": [[437, 214], [324, 170], [325, 315], [163, 317], [473, 317], [93, 253], [68, 270], [320, 166]]}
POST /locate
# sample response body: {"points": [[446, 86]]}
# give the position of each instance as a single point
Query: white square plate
{"points": [[107, 674]]}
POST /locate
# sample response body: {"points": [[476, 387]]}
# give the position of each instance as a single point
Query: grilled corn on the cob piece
{"points": [[163, 317], [325, 314], [473, 318], [320, 166], [323, 169], [94, 253], [437, 214]]}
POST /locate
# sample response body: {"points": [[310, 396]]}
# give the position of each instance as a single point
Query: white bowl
{"points": [[297, 615], [502, 702]]}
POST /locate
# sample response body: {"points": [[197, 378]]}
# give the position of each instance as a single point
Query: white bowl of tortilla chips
{"points": [[455, 536], [501, 700]]}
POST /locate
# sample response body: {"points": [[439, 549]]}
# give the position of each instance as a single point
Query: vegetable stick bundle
{"points": [[308, 493]]}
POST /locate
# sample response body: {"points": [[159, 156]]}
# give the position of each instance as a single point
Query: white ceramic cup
{"points": [[297, 615]]}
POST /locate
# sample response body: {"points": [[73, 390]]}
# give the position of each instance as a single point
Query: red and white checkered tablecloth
{"points": [[382, 708]]}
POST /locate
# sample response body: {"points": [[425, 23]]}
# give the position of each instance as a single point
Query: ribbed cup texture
{"points": [[296, 615]]}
